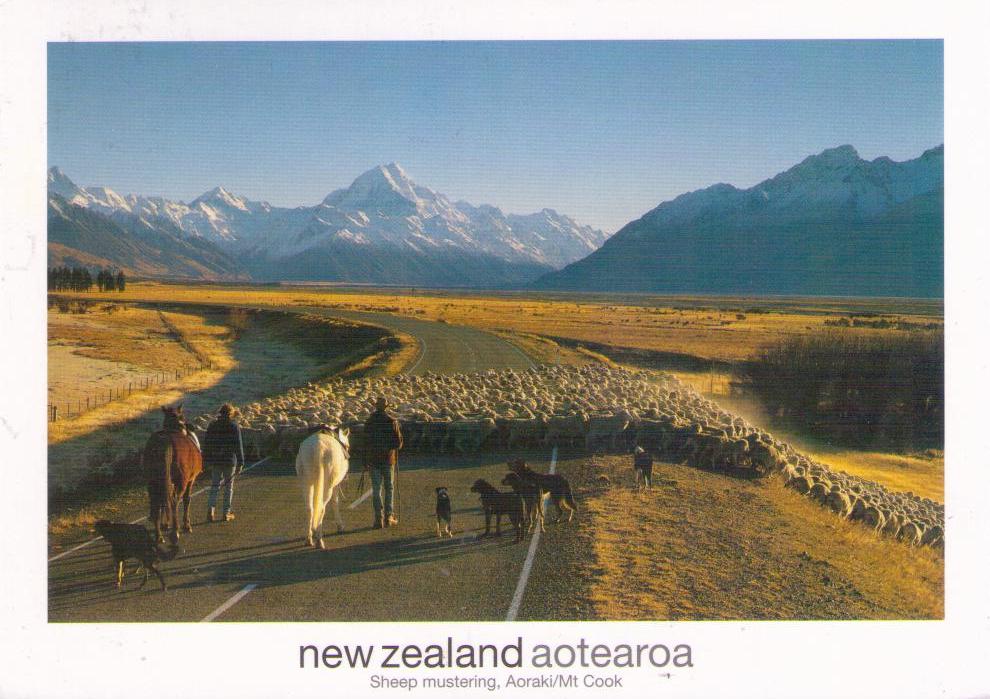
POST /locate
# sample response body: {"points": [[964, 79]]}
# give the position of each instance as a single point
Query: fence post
{"points": [[54, 413]]}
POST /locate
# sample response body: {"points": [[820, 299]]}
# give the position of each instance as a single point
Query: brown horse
{"points": [[171, 463]]}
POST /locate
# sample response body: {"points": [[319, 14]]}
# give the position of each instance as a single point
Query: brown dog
{"points": [[530, 494], [552, 484], [497, 503]]}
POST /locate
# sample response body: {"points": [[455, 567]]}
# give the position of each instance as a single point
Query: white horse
{"points": [[321, 465]]}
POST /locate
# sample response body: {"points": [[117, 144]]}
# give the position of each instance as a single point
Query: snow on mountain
{"points": [[832, 224], [382, 208], [833, 181]]}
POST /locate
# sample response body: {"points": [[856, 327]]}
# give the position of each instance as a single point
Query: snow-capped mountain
{"points": [[832, 224], [383, 213]]}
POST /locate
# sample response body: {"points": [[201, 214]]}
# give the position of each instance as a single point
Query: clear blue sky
{"points": [[602, 131]]}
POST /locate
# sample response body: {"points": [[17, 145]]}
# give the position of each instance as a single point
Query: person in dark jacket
{"points": [[382, 442], [223, 454], [643, 465]]}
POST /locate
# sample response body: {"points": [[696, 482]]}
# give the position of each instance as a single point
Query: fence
{"points": [[67, 409]]}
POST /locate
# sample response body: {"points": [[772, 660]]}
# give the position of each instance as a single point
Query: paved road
{"points": [[256, 568], [443, 348]]}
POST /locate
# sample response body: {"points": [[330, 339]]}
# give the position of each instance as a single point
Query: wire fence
{"points": [[62, 410]]}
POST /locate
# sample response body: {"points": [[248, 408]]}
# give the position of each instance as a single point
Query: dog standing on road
{"points": [[134, 541], [531, 496], [443, 512], [497, 503], [552, 484]]}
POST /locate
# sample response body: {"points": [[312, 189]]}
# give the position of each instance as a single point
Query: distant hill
{"points": [[78, 236], [383, 228], [834, 224]]}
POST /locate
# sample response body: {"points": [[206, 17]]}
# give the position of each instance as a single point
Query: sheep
{"points": [[568, 429], [874, 517], [467, 436], [609, 428], [551, 404], [838, 502]]}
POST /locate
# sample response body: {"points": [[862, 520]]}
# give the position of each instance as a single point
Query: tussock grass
{"points": [[706, 546], [920, 473]]}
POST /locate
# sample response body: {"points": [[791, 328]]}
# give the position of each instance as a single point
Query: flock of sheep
{"points": [[594, 406]]}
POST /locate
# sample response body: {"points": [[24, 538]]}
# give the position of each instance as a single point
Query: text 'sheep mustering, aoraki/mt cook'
{"points": [[448, 654]]}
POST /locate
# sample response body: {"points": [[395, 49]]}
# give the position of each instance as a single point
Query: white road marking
{"points": [[367, 494], [141, 519], [228, 604], [422, 353], [517, 598]]}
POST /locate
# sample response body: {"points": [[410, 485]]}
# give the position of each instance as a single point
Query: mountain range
{"points": [[834, 224], [384, 229]]}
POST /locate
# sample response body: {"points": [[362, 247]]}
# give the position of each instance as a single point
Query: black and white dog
{"points": [[443, 512]]}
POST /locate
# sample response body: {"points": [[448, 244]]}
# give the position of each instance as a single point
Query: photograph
{"points": [[495, 331]]}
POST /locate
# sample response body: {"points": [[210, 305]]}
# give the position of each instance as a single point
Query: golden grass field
{"points": [[780, 556], [720, 329]]}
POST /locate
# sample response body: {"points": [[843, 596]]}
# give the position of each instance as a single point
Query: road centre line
{"points": [[141, 519], [367, 494], [422, 353], [228, 604], [517, 598]]}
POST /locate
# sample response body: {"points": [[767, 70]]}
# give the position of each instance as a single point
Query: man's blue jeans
{"points": [[382, 488], [222, 476]]}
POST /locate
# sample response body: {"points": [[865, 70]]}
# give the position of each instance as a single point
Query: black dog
{"points": [[530, 493], [443, 512], [552, 484], [134, 541], [497, 503]]}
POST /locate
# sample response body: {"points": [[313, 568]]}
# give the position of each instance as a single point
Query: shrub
{"points": [[879, 390]]}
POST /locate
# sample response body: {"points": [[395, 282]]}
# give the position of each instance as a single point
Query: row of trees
{"points": [[81, 279]]}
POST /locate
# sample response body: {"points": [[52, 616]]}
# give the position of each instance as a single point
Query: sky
{"points": [[600, 131]]}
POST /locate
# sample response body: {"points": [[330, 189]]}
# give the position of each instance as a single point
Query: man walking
{"points": [[223, 453], [382, 442], [643, 465]]}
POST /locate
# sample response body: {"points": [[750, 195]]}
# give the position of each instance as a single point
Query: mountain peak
{"points": [[59, 182], [385, 188], [836, 157], [219, 195]]}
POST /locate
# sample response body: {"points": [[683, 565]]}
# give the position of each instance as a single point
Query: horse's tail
{"points": [[171, 456], [157, 463]]}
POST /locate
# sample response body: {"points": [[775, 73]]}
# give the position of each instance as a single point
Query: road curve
{"points": [[256, 568], [444, 348]]}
